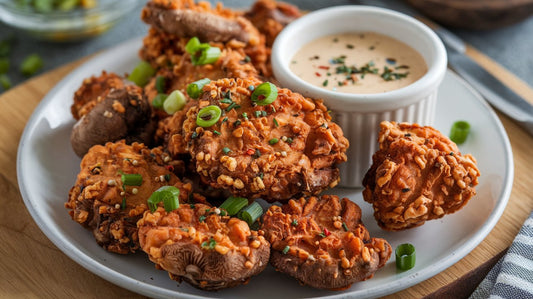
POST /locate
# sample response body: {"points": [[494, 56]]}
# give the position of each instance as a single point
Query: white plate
{"points": [[47, 168]]}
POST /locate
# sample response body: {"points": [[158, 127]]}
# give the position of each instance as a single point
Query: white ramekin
{"points": [[359, 115]]}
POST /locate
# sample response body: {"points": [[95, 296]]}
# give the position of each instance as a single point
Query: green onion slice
{"points": [[251, 213], [31, 65], [405, 256], [158, 101], [160, 83], [169, 195], [174, 102], [192, 45], [206, 56], [208, 116], [265, 93], [141, 74], [234, 204], [133, 179], [459, 131], [194, 90]]}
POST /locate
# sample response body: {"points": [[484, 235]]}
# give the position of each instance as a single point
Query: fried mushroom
{"points": [[322, 242], [101, 202], [275, 151], [196, 244], [120, 113], [418, 174]]}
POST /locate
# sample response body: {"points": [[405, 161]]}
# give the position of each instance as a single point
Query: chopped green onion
{"points": [[202, 218], [405, 256], [123, 205], [192, 45], [234, 204], [174, 102], [160, 83], [67, 5], [4, 65], [275, 122], [345, 226], [459, 131], [141, 74], [265, 93], [43, 6], [273, 141], [251, 213], [208, 116], [194, 90], [286, 249], [169, 195], [31, 65], [206, 56], [133, 179], [226, 150], [5, 82], [294, 222], [209, 244], [158, 101]]}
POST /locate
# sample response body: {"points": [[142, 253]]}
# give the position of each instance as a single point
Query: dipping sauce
{"points": [[359, 62]]}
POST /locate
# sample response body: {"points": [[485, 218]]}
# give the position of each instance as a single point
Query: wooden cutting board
{"points": [[32, 267]]}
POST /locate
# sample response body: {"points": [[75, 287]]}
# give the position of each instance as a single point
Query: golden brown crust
{"points": [[322, 242], [417, 174], [302, 161], [94, 90], [196, 244], [96, 199]]}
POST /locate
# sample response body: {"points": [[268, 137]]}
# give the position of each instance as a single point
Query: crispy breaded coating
{"points": [[174, 22], [322, 242], [92, 91], [196, 244], [101, 202], [121, 113], [417, 174], [277, 151]]}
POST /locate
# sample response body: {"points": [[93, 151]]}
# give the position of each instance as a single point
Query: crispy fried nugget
{"points": [[92, 91], [101, 202], [276, 151], [174, 22], [196, 244], [322, 242], [417, 174]]}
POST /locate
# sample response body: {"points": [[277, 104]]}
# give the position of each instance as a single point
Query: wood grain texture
{"points": [[32, 267]]}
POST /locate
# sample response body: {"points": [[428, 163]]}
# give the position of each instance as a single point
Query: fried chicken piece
{"points": [[196, 244], [94, 90], [119, 113], [417, 174], [270, 17], [322, 242], [284, 149], [101, 202], [174, 22]]}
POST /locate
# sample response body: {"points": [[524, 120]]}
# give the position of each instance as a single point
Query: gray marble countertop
{"points": [[510, 46]]}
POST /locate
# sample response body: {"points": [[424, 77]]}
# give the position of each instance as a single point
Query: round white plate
{"points": [[47, 168]]}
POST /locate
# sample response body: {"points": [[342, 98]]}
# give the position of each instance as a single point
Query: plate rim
{"points": [[148, 289]]}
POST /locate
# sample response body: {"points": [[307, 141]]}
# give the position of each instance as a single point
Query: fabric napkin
{"points": [[512, 276]]}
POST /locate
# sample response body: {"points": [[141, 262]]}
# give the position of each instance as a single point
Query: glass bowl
{"points": [[75, 24]]}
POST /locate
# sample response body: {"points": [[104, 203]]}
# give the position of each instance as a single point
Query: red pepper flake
{"points": [[250, 151], [326, 232], [324, 67], [318, 74], [170, 167]]}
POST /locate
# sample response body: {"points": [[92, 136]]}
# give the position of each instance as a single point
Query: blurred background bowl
{"points": [[475, 14], [58, 25]]}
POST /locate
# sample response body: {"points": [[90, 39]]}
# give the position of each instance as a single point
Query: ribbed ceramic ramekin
{"points": [[359, 115]]}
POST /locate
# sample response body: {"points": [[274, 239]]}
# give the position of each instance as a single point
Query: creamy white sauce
{"points": [[329, 62]]}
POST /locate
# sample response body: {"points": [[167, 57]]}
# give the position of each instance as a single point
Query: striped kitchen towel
{"points": [[512, 276]]}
